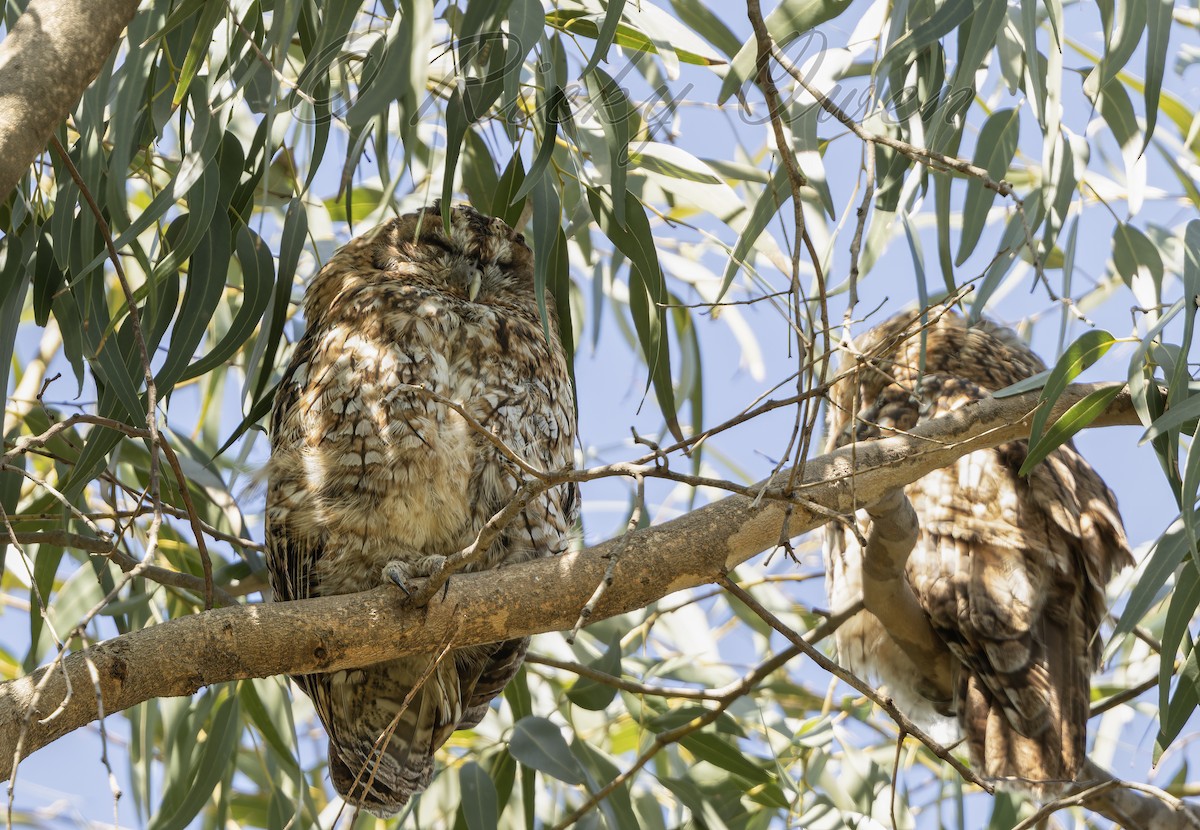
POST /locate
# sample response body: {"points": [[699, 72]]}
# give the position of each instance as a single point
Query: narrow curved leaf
{"points": [[1080, 414], [1158, 26], [538, 743], [647, 292], [1081, 354], [258, 276], [206, 767], [605, 34], [479, 800], [1170, 550], [994, 152]]}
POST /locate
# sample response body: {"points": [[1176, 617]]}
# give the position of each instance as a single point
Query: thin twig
{"points": [[896, 774], [921, 155], [109, 550], [858, 684]]}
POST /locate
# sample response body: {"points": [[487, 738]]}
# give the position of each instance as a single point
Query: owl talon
{"points": [[402, 573], [399, 573]]}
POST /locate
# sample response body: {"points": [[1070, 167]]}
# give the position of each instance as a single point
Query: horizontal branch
{"points": [[180, 656]]}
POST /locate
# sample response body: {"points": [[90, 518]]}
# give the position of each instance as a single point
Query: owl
{"points": [[374, 480], [1010, 570]]}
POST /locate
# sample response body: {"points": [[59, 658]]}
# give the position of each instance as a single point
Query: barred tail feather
{"points": [[381, 751], [1041, 755]]}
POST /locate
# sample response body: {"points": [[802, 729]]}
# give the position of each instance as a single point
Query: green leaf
{"points": [[647, 293], [547, 214], [1117, 111], [1158, 20], [1175, 415], [1005, 813], [1170, 549], [696, 800], [591, 694], [479, 799], [207, 269], [1080, 414], [580, 23], [1011, 244], [1059, 185], [1185, 599], [257, 412], [538, 743], [1133, 251], [605, 34], [202, 38], [707, 746], [502, 770], [401, 72], [48, 278], [700, 19], [769, 201], [616, 114], [556, 112], [1081, 354], [1123, 42], [994, 152], [295, 231], [517, 695], [790, 20], [267, 721], [1187, 696], [15, 278], [45, 567], [601, 771], [206, 767], [948, 16], [506, 204], [258, 276], [1029, 384], [674, 163], [988, 19], [479, 177]]}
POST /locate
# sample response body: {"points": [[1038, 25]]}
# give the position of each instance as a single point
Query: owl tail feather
{"points": [[380, 774], [1038, 748]]}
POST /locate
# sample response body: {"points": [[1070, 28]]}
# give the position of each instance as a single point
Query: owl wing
{"points": [[537, 419], [1009, 570]]}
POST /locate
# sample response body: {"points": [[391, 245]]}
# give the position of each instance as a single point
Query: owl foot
{"points": [[403, 572]]}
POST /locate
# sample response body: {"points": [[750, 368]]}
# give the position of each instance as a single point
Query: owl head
{"points": [[481, 258], [895, 355]]}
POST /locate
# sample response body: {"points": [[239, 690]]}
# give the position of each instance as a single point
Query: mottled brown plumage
{"points": [[371, 481], [1010, 570]]}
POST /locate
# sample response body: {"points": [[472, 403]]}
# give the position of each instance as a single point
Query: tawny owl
{"points": [[371, 481], [1010, 570]]}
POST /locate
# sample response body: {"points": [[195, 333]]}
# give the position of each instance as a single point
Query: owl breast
{"points": [[386, 468]]}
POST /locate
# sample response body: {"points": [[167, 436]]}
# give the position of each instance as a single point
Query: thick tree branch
{"points": [[183, 655], [887, 594], [52, 53]]}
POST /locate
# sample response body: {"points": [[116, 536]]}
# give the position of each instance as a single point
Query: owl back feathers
{"points": [[1010, 570], [369, 469]]}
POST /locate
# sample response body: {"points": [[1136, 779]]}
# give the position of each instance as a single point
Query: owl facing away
{"points": [[1009, 570], [372, 480]]}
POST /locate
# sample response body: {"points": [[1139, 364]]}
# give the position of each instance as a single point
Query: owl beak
{"points": [[474, 285]]}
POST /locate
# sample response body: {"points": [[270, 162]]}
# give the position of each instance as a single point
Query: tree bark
{"points": [[52, 53]]}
